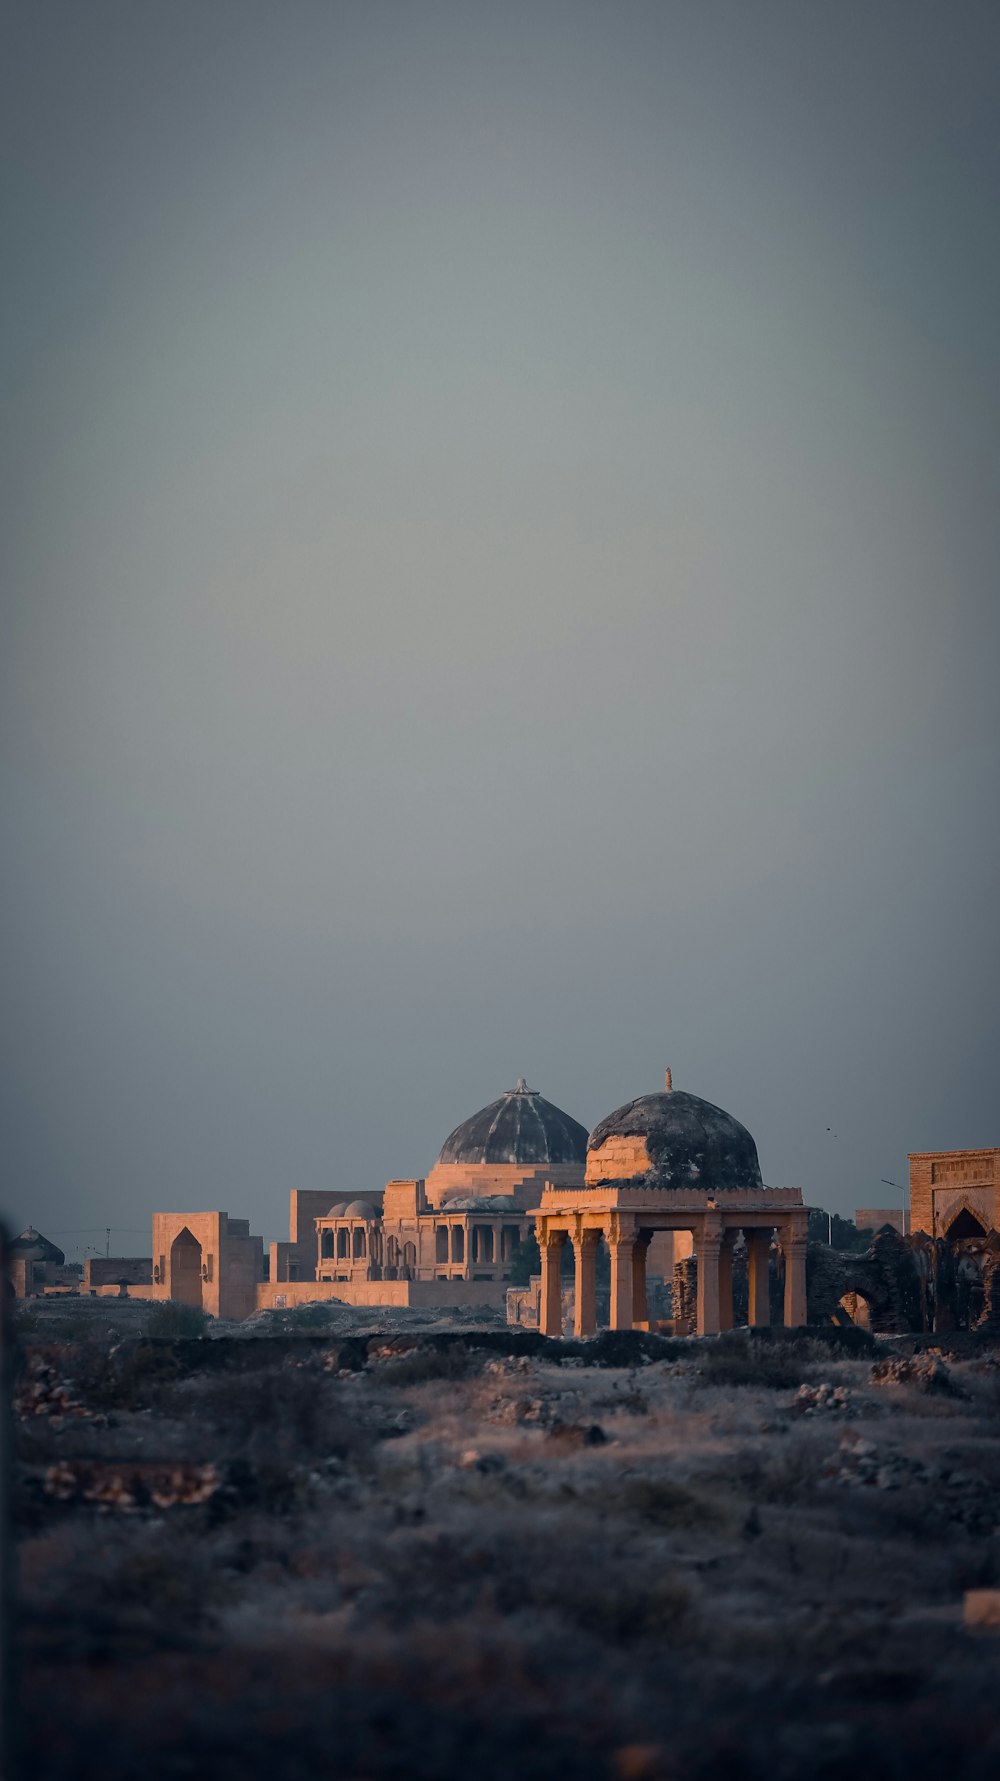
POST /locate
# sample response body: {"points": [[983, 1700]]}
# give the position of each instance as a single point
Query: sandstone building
{"points": [[955, 1193], [208, 1260], [665, 1178], [36, 1265], [670, 1162], [872, 1218], [449, 1238]]}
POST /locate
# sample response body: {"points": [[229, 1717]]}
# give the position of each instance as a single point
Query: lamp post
{"points": [[896, 1184]]}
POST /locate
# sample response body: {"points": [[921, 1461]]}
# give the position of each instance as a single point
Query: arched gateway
{"points": [[670, 1162], [185, 1269]]}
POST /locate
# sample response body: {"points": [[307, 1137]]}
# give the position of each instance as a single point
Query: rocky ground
{"points": [[433, 1552]]}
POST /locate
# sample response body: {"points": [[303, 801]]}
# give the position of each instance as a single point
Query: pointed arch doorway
{"points": [[185, 1269]]}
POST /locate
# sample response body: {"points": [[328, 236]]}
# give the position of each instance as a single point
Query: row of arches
{"points": [[386, 1257], [345, 1244], [457, 1242], [628, 1233], [488, 1243]]}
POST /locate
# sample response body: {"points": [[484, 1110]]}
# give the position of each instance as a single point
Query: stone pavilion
{"points": [[670, 1162]]}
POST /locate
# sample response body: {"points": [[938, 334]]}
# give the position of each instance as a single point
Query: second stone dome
{"points": [[522, 1128], [673, 1140]]}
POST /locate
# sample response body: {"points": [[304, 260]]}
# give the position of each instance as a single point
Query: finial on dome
{"points": [[668, 1081], [521, 1087]]}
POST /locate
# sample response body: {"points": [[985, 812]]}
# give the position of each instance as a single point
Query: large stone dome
{"points": [[522, 1128], [674, 1140]]}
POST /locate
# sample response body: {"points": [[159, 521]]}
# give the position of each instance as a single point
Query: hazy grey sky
{"points": [[500, 521]]}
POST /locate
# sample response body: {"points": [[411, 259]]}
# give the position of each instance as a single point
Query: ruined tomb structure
{"points": [[672, 1163]]}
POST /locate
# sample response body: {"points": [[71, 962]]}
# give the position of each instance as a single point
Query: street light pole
{"points": [[900, 1189]]}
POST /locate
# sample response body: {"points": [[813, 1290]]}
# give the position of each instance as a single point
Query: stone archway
{"points": [[964, 1224], [856, 1308], [185, 1269]]}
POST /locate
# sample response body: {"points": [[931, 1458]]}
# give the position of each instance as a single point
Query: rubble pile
{"points": [[511, 1363], [130, 1488], [824, 1400], [955, 1493], [552, 1411], [926, 1371], [42, 1392], [511, 1410]]}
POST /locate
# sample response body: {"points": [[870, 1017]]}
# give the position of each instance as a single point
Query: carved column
{"points": [[550, 1244], [640, 1301], [758, 1262], [621, 1243], [726, 1248], [708, 1242], [793, 1243], [585, 1298]]}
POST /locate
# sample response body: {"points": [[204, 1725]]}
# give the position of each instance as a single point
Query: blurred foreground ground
{"points": [[401, 1548]]}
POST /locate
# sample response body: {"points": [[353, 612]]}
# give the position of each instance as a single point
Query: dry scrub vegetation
{"points": [[441, 1555]]}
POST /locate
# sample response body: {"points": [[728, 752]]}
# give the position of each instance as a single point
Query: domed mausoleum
{"points": [[511, 1147], [466, 1220], [670, 1162], [673, 1140]]}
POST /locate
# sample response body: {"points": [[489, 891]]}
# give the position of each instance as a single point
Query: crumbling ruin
{"points": [[917, 1284]]}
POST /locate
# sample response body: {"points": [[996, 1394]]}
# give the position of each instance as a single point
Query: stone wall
{"points": [[960, 1283], [111, 1270], [887, 1277], [422, 1294], [523, 1184]]}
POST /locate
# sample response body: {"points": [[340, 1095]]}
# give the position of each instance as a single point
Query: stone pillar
{"points": [[758, 1262], [794, 1245], [684, 1292], [621, 1245], [550, 1244], [585, 1297], [708, 1242], [726, 1248], [640, 1301]]}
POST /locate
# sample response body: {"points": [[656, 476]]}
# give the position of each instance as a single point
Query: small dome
{"points": [[337, 1211], [360, 1209], [34, 1245], [689, 1142], [522, 1127]]}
